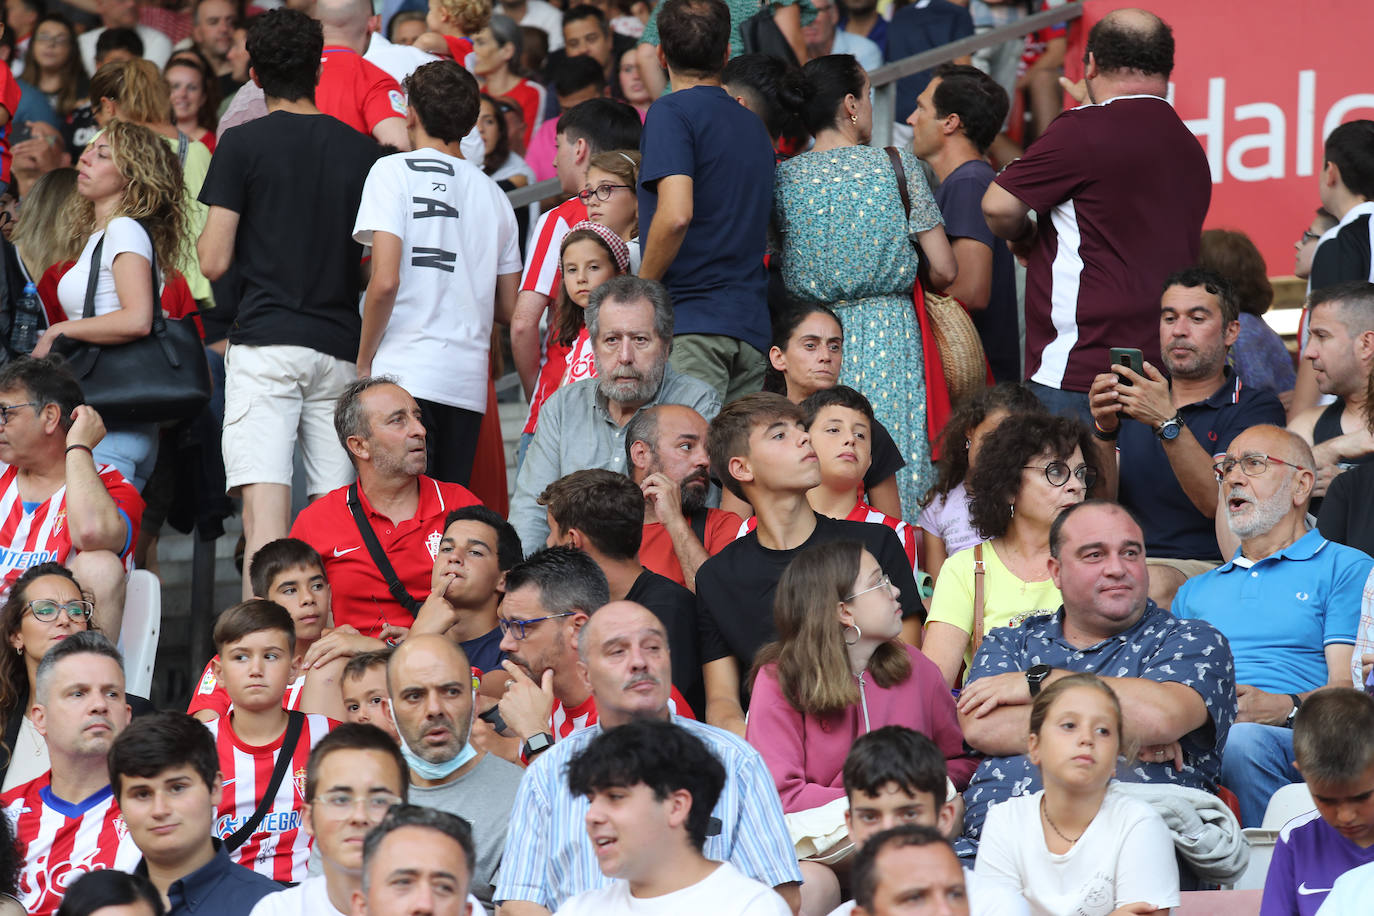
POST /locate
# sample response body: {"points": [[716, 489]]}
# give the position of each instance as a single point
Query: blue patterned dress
{"points": [[844, 243]]}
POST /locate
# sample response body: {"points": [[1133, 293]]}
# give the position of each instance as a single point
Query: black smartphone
{"points": [[22, 131], [1131, 358]]}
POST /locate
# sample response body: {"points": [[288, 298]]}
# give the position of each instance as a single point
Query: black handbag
{"points": [[760, 35], [158, 378]]}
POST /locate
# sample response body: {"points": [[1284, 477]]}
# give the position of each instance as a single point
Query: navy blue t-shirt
{"points": [[484, 652], [960, 197], [1173, 525], [919, 27], [717, 281]]}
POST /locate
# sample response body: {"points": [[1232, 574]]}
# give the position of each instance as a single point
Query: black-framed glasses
{"points": [[46, 609], [519, 625], [1058, 473], [6, 408], [884, 582], [602, 191], [1251, 465]]}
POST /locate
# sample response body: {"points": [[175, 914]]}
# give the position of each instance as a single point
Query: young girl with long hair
{"points": [[610, 196], [1079, 845], [130, 194], [53, 64]]}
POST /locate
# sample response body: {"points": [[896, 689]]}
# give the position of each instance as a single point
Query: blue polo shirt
{"points": [[220, 887], [1173, 525], [1281, 612]]}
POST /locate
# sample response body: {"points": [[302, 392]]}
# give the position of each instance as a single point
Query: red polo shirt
{"points": [[656, 549], [360, 596], [357, 91]]}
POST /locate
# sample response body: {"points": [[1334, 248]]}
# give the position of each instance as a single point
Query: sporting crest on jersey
{"points": [[298, 778], [432, 542]]}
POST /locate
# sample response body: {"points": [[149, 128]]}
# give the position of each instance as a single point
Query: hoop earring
{"points": [[1012, 510], [858, 634]]}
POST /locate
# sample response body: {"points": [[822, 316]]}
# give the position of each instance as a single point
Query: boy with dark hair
{"points": [[761, 451], [258, 740], [1333, 743], [705, 195], [895, 777], [365, 697], [283, 191], [652, 787], [1346, 189], [477, 549], [166, 777], [439, 217]]}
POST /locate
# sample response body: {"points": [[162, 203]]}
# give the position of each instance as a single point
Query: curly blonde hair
{"points": [[471, 16], [155, 194]]}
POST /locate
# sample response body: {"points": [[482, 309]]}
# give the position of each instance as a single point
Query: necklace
{"points": [[1046, 814]]}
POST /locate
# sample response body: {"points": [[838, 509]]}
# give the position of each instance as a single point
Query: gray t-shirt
{"points": [[483, 797]]}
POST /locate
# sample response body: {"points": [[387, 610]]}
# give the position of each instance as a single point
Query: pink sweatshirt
{"points": [[806, 754]]}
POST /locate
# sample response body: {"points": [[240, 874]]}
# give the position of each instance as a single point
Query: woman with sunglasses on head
{"points": [[1031, 468], [838, 670]]}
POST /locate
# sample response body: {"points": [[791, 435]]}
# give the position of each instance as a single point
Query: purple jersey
{"points": [[1309, 856]]}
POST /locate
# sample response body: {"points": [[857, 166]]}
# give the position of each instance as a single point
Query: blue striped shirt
{"points": [[549, 858]]}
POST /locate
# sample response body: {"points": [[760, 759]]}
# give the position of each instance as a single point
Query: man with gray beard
{"points": [[583, 425], [1288, 601]]}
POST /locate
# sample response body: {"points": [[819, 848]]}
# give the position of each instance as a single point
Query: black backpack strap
{"points": [[294, 723], [699, 525], [379, 558]]}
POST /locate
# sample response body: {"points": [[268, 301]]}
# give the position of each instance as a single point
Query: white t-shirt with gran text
{"points": [[724, 892], [458, 233]]}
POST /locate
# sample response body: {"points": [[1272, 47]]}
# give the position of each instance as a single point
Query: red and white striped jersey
{"points": [[862, 512], [279, 848], [567, 721], [211, 695], [41, 535], [60, 841]]}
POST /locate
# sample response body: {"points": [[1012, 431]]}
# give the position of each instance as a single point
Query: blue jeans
{"points": [[132, 449], [1064, 403], [1258, 761]]}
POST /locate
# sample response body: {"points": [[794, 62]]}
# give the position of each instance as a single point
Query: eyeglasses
{"points": [[519, 625], [884, 582], [1309, 236], [602, 191], [46, 609], [6, 408], [343, 802], [52, 40], [1057, 473], [1252, 465]]}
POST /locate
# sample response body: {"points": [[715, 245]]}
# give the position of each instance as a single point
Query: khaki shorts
{"points": [[732, 367], [272, 396], [1189, 568]]}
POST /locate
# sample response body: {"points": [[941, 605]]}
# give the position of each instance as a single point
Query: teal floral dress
{"points": [[844, 240]]}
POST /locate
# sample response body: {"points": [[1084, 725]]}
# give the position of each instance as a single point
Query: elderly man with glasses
{"points": [[1165, 431], [57, 504], [1288, 601]]}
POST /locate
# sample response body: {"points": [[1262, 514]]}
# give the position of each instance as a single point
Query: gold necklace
{"points": [[1045, 812]]}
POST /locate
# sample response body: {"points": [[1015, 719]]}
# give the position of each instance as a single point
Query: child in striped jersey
{"points": [[256, 663]]}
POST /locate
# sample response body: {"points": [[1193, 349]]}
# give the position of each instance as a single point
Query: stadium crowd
{"points": [[768, 622]]}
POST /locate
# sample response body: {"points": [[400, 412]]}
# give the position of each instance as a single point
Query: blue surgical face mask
{"points": [[424, 768]]}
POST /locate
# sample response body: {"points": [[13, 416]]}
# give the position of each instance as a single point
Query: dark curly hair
{"points": [[952, 467], [445, 97], [285, 47], [773, 87], [997, 478], [1119, 44]]}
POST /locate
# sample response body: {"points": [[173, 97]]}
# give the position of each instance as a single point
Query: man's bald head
{"points": [[1276, 441], [624, 654], [431, 690], [1132, 42], [345, 16], [1273, 492], [425, 649]]}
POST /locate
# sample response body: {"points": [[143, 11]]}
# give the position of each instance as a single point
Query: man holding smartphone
{"points": [[1165, 432]]}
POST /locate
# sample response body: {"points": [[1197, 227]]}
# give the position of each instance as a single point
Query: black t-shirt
{"points": [[887, 458], [677, 609], [295, 181], [1347, 256], [1345, 517], [735, 587]]}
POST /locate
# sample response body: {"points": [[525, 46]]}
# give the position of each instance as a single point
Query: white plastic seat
{"points": [[138, 636]]}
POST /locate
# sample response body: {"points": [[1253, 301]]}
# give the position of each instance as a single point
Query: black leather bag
{"points": [[159, 378], [760, 35]]}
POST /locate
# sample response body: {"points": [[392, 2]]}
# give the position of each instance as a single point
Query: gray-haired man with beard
{"points": [[431, 687], [1288, 601], [583, 425]]}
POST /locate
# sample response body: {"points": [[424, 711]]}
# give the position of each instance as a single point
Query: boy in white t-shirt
{"points": [[445, 264], [652, 787]]}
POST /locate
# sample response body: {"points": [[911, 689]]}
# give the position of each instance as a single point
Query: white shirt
{"points": [[311, 898], [157, 47], [544, 16], [724, 892], [1126, 855], [1350, 893], [984, 899], [865, 50], [121, 235], [29, 759], [399, 61], [458, 234]]}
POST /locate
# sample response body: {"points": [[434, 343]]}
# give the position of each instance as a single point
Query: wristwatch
{"points": [[1170, 428], [537, 744], [1293, 713], [1035, 676]]}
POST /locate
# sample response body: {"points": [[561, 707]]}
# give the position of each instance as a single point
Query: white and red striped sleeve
{"points": [[863, 512]]}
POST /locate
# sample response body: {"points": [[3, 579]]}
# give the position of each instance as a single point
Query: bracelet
{"points": [[84, 448], [1104, 434]]}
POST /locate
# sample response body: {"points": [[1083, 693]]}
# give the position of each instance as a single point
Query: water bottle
{"points": [[28, 312]]}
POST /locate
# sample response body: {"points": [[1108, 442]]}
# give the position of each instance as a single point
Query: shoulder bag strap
{"points": [[374, 550], [897, 167], [294, 723], [699, 524], [183, 147], [978, 571], [93, 279]]}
